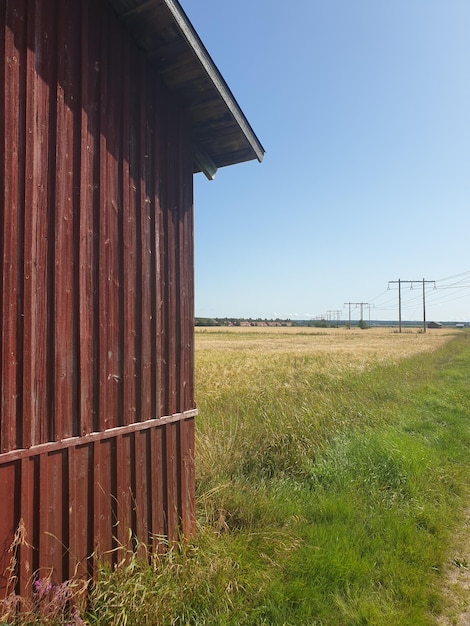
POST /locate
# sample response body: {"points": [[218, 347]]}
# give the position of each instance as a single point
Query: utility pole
{"points": [[399, 300], [411, 282], [361, 304], [349, 315], [334, 315]]}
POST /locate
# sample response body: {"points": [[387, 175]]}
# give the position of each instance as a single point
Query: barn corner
{"points": [[110, 107]]}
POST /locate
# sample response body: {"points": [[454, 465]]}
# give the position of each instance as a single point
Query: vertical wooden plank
{"points": [[89, 210], [188, 513], [129, 183], [185, 272], [163, 310], [158, 246], [181, 278], [124, 503], [67, 103], [109, 286], [172, 480], [81, 546], [116, 90], [173, 338], [28, 514], [103, 498], [12, 151], [141, 495], [153, 243], [146, 249], [106, 404], [8, 486], [189, 401], [161, 313], [53, 519], [39, 135], [157, 486]]}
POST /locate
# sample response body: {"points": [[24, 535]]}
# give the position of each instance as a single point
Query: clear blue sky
{"points": [[363, 108]]}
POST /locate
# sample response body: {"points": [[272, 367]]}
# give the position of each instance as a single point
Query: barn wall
{"points": [[96, 293]]}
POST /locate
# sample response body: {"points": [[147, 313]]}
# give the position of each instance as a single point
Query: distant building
{"points": [[434, 325]]}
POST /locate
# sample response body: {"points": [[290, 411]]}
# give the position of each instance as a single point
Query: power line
{"points": [[467, 273]]}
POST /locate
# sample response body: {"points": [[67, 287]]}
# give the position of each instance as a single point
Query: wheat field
{"points": [[254, 385], [331, 351]]}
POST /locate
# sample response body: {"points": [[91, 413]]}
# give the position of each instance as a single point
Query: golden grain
{"points": [[332, 350]]}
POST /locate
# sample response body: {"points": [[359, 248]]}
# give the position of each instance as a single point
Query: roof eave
{"points": [[219, 83], [221, 133]]}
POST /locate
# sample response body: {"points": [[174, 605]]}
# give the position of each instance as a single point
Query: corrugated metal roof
{"points": [[221, 133]]}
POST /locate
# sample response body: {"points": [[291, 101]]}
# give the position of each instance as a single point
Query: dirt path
{"points": [[457, 579]]}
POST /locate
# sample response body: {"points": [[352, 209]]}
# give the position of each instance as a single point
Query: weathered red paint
{"points": [[97, 407]]}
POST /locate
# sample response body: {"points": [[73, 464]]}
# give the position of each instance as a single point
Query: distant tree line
{"points": [[317, 323], [216, 321], [249, 321]]}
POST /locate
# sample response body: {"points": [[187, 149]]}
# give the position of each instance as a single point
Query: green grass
{"points": [[371, 498]]}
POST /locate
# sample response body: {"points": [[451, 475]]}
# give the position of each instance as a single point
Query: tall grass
{"points": [[328, 490], [271, 414], [367, 471]]}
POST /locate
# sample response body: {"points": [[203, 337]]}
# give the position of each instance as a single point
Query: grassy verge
{"points": [[324, 497], [340, 501]]}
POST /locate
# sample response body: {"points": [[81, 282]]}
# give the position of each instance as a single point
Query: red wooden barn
{"points": [[109, 108]]}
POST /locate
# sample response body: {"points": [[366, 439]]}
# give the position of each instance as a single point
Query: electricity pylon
{"points": [[400, 282]]}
